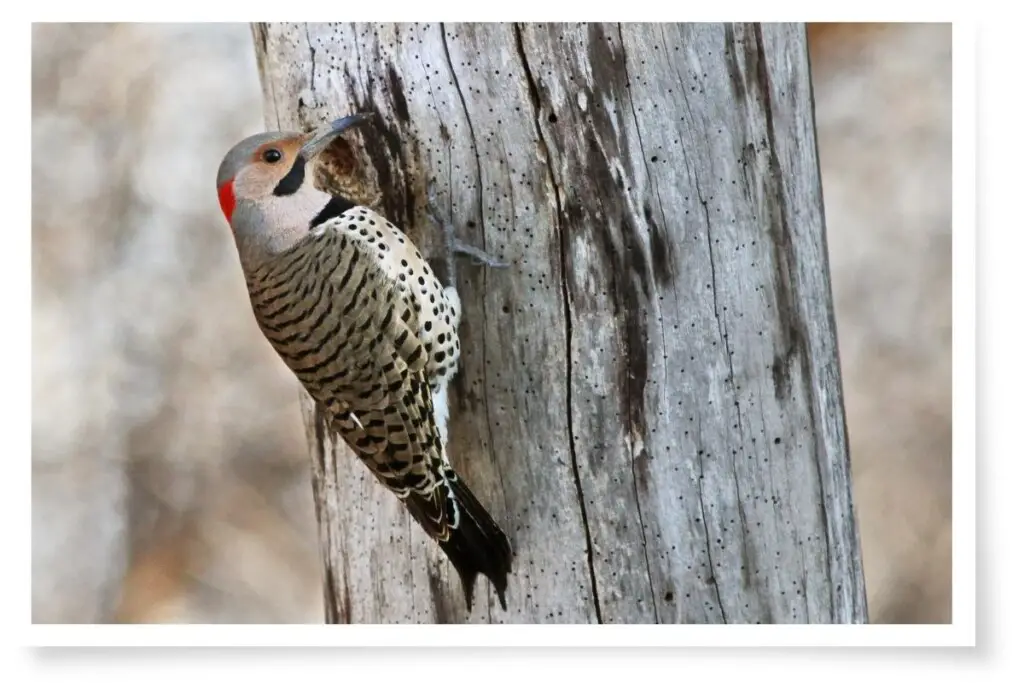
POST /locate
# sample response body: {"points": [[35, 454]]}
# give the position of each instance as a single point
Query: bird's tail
{"points": [[475, 545]]}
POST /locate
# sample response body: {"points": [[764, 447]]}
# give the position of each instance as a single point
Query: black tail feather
{"points": [[478, 546]]}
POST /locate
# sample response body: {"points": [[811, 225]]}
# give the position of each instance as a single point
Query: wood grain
{"points": [[650, 399]]}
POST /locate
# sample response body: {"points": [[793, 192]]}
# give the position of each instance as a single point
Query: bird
{"points": [[353, 309]]}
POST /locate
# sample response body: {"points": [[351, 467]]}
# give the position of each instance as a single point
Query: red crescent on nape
{"points": [[226, 194]]}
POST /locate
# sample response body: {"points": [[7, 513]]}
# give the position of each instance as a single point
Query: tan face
{"points": [[267, 167], [261, 170], [269, 164]]}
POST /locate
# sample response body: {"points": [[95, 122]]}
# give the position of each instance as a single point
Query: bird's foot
{"points": [[455, 245], [475, 253]]}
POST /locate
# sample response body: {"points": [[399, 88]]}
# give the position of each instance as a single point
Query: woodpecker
{"points": [[353, 309]]}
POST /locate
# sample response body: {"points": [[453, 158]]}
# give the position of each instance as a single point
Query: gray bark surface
{"points": [[650, 400]]}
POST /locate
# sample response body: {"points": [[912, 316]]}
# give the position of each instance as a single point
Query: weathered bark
{"points": [[650, 400]]}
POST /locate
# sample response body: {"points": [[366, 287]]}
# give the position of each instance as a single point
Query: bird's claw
{"points": [[478, 255], [455, 245]]}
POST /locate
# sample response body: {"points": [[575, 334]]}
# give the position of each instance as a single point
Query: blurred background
{"points": [[175, 486]]}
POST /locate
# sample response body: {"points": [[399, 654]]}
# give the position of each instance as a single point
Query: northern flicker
{"points": [[353, 309]]}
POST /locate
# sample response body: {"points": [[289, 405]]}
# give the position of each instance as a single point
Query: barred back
{"points": [[349, 336], [357, 315]]}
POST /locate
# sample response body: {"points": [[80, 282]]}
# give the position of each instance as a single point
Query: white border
{"points": [[490, 635], [17, 256], [964, 331], [959, 633]]}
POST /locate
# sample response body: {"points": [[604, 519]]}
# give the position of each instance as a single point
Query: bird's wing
{"points": [[370, 375]]}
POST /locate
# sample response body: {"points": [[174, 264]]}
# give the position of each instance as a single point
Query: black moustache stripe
{"points": [[291, 183]]}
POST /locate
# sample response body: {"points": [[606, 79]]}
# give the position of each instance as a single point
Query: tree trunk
{"points": [[649, 400]]}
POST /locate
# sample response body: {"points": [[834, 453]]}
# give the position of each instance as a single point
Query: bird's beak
{"points": [[323, 137]]}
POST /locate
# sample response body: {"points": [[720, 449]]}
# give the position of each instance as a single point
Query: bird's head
{"points": [[264, 190]]}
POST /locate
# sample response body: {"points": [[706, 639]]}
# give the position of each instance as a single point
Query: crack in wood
{"points": [[704, 521], [483, 245], [798, 334], [631, 350], [567, 308], [312, 62]]}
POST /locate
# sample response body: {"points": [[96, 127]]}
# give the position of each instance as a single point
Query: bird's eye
{"points": [[272, 156]]}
